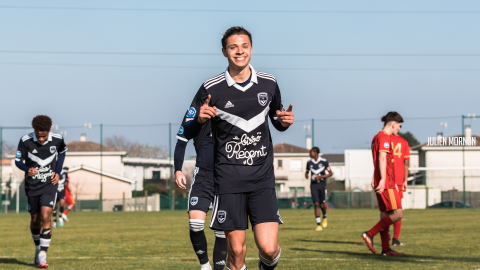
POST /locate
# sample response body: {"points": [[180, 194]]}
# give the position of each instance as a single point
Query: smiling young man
{"points": [[383, 182], [42, 168], [238, 103]]}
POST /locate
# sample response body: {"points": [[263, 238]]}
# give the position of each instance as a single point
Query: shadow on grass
{"points": [[13, 261], [331, 242], [407, 258]]}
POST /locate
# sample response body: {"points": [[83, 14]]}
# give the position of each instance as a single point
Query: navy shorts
{"points": [[35, 203], [201, 195], [232, 211], [319, 192], [60, 195]]}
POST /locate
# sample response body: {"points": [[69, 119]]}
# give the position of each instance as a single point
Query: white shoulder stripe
{"points": [[56, 135], [212, 84], [28, 136], [182, 139], [266, 77], [214, 78], [266, 74]]}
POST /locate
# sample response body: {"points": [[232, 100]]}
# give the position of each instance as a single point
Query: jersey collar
{"points": [[231, 82], [48, 140]]}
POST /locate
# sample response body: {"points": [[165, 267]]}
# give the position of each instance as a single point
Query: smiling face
{"points": [[238, 51]]}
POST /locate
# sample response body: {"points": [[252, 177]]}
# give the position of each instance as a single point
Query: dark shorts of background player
{"points": [[35, 203], [232, 211], [319, 192], [201, 191], [60, 195]]}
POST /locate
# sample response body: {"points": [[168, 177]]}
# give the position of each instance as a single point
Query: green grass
{"points": [[438, 239]]}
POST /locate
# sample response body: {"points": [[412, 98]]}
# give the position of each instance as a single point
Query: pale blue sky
{"points": [[145, 89]]}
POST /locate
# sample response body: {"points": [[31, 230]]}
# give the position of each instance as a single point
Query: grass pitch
{"points": [[434, 238]]}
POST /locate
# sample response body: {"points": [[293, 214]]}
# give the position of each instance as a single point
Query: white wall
{"points": [[358, 169], [415, 197]]}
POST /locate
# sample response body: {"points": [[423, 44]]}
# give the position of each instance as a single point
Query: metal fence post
{"points": [[101, 167], [146, 199], [453, 197], [1, 167]]}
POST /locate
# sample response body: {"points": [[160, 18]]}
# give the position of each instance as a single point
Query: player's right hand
{"points": [[180, 180], [206, 112], [381, 186], [32, 172]]}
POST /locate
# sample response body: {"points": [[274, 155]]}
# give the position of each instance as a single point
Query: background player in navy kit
{"points": [[42, 169], [60, 198], [318, 185], [239, 102], [201, 193]]}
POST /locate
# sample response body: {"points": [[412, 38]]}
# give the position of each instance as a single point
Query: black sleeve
{"points": [[308, 167], [275, 105], [179, 154], [20, 156], [62, 148], [191, 126]]}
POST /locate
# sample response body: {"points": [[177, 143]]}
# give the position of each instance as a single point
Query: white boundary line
{"points": [[248, 259]]}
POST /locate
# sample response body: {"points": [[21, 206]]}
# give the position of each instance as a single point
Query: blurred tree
{"points": [[135, 149], [412, 141], [8, 148]]}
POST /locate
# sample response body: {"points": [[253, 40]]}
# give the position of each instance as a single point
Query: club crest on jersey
{"points": [[180, 130], [19, 154], [262, 98], [191, 112], [53, 149], [194, 201], [222, 216], [386, 145]]}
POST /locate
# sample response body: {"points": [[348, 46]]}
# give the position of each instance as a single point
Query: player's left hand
{"points": [[286, 117], [55, 178], [404, 186], [318, 177]]}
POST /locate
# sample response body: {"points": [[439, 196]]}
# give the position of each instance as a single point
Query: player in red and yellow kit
{"points": [[401, 155], [383, 182], [68, 199]]}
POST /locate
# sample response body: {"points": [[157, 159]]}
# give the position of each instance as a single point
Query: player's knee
{"points": [[270, 251], [317, 204], [237, 251], [196, 225]]}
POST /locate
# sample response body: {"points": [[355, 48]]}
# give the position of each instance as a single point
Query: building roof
{"points": [[81, 146], [334, 158], [477, 138], [96, 171], [288, 148], [6, 161]]}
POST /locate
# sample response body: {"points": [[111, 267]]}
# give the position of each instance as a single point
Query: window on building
{"points": [[155, 174], [280, 164], [296, 165], [299, 189]]}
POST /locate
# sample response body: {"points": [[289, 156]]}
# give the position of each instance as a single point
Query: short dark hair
{"points": [[392, 116], [315, 149], [235, 30], [65, 168], [42, 123]]}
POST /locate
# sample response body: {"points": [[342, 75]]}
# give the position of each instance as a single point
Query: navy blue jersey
{"points": [[42, 157], [243, 150], [317, 167]]}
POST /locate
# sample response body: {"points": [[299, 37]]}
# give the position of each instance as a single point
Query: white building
{"points": [[290, 164]]}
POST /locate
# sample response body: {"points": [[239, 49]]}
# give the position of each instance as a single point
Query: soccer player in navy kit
{"points": [[318, 186], [238, 103], [44, 154], [201, 193], [60, 198]]}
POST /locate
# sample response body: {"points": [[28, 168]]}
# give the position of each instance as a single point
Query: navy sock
{"points": [[36, 236], [220, 251], [198, 239], [45, 238]]}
